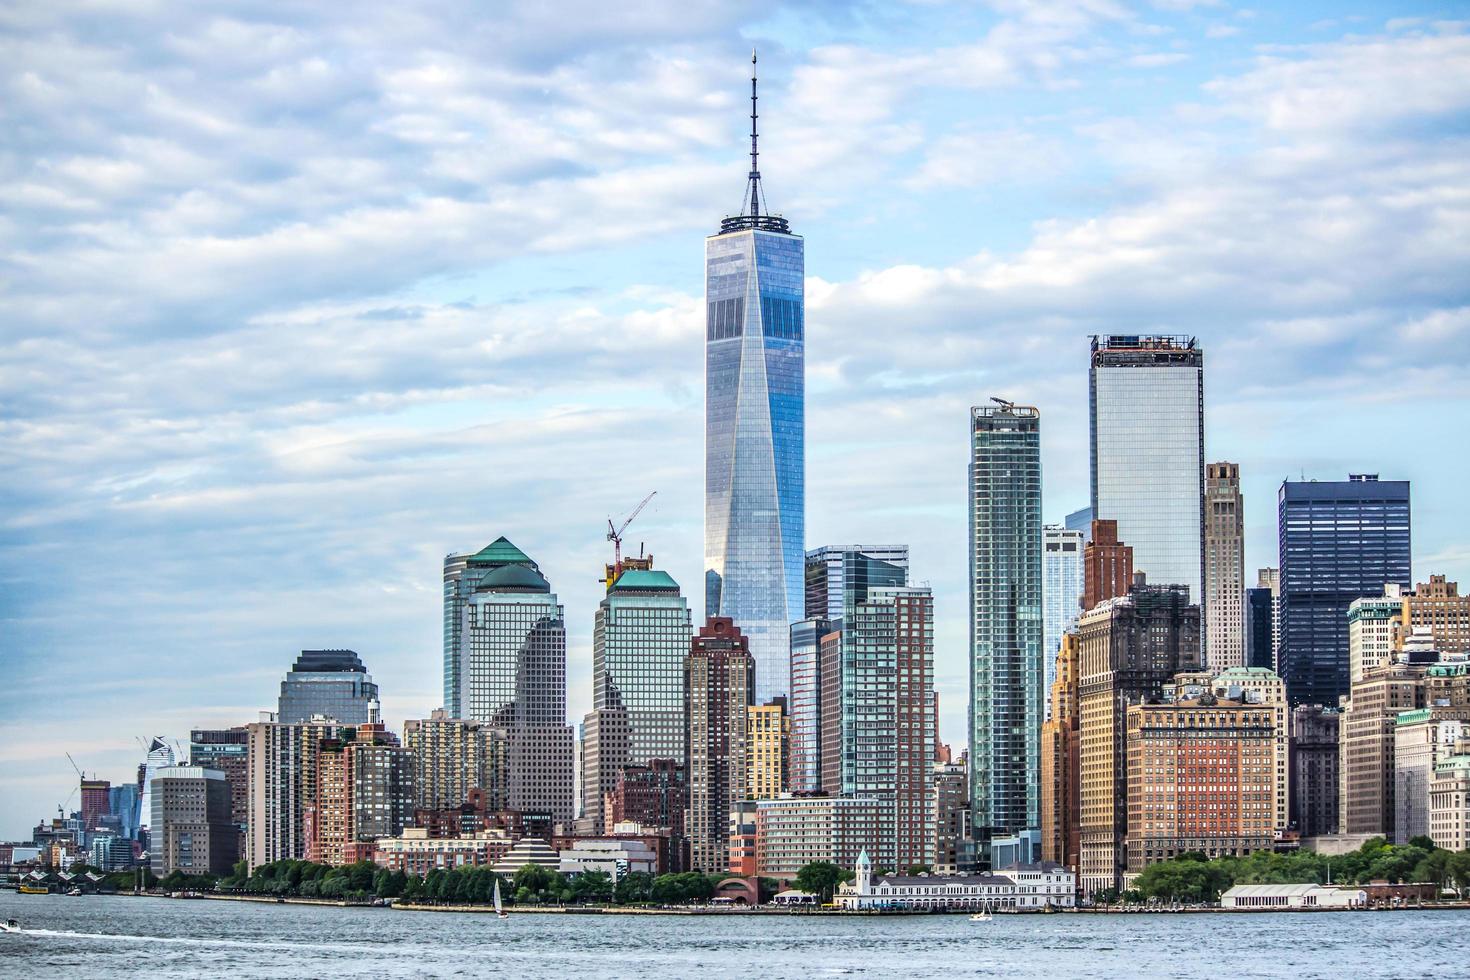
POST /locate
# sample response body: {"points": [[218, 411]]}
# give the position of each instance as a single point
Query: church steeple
{"points": [[753, 205]]}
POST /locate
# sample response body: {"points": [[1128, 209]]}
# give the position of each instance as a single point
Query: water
{"points": [[97, 936]]}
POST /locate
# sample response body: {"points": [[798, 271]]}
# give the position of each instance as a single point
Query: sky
{"points": [[299, 298]]}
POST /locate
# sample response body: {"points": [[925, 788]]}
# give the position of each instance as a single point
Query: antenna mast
{"points": [[755, 173]]}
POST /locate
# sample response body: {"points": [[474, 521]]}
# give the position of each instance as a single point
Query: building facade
{"points": [[719, 687], [768, 733], [227, 750], [453, 757], [332, 683], [1016, 888], [755, 430], [1339, 541], [1314, 770], [462, 576], [1129, 649], [1224, 597], [1374, 625], [1007, 700], [1422, 738], [364, 791], [1062, 582], [1449, 803], [1365, 766], [195, 833], [1107, 565], [1148, 465], [804, 772], [792, 832], [949, 803], [655, 795], [282, 761], [1258, 686], [1438, 607], [1060, 745]]}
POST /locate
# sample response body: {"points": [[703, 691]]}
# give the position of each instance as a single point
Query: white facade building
{"points": [[1269, 898], [1019, 887], [1371, 624], [611, 857], [1061, 593]]}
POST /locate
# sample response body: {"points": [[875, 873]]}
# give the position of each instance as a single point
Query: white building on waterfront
{"points": [[1265, 898], [1015, 888]]}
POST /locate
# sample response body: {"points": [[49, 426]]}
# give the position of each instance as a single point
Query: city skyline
{"points": [[322, 449]]}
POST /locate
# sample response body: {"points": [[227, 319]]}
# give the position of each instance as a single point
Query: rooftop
{"points": [[640, 579], [328, 662], [501, 552]]}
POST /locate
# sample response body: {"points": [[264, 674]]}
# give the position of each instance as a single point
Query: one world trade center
{"points": [[754, 435]]}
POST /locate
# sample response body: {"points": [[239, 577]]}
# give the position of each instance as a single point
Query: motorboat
{"points": [[10, 925]]}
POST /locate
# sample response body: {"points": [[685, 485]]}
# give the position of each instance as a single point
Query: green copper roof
{"points": [[500, 552], [519, 578], [1455, 669], [638, 579], [1413, 717]]}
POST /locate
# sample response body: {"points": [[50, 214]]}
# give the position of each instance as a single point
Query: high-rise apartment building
{"points": [[1129, 649], [1438, 607], [1062, 582], [833, 726], [1007, 701], [768, 731], [719, 683], [1148, 466], [1060, 744], [838, 577], [949, 803], [1261, 687], [1224, 599], [1373, 627], [1365, 765], [1314, 772], [640, 638], [1107, 565], [227, 750], [194, 833], [795, 831], [513, 663], [363, 791], [1200, 778], [333, 683], [282, 760], [655, 795], [1339, 541], [452, 757], [804, 769], [755, 429]]}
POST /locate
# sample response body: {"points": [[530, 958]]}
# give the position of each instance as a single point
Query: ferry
{"points": [[34, 890]]}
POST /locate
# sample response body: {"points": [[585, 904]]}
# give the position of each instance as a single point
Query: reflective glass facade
{"points": [[1339, 541], [1007, 701], [1061, 590], [804, 772], [333, 683], [754, 443], [1148, 465], [639, 641], [838, 577]]}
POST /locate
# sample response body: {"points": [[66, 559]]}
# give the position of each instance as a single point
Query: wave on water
{"points": [[229, 943]]}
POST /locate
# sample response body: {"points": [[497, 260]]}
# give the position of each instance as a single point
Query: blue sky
{"points": [[299, 299]]}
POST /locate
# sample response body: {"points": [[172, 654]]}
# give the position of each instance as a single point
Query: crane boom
{"points": [[80, 774], [615, 534]]}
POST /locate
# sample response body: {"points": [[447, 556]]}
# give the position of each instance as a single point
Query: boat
{"points": [[10, 925], [74, 892], [499, 908], [34, 890], [982, 916]]}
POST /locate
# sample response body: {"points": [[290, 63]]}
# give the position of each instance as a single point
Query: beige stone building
{"points": [[1059, 758], [768, 732], [1369, 716], [1449, 802], [1438, 606], [1224, 612], [1257, 685]]}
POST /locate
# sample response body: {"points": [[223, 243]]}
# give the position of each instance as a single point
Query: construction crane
{"points": [[80, 774], [615, 535]]}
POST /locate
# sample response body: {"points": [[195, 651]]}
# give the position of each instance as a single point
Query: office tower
{"points": [[462, 576], [804, 772], [363, 791], [453, 757], [1200, 778], [1129, 649], [1080, 520], [1007, 702], [1365, 764], [123, 804], [1422, 739], [95, 800], [1437, 606], [838, 577], [1373, 627], [949, 806], [160, 756], [639, 640], [1224, 598], [768, 729], [1062, 583], [1059, 758], [653, 795], [755, 461], [194, 832], [1260, 649], [887, 714], [1339, 541], [1148, 466], [719, 684], [333, 683], [830, 670], [1107, 565], [513, 675], [281, 759], [1264, 687], [1314, 775], [227, 750]]}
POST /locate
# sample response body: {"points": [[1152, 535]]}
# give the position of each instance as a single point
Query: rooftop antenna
{"points": [[755, 172]]}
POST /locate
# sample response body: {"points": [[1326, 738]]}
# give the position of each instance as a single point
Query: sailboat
{"points": [[499, 908], [983, 915]]}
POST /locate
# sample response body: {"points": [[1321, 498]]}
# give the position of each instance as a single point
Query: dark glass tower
{"points": [[1339, 541], [755, 469], [328, 682]]}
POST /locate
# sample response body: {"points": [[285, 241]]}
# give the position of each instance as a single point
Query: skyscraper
{"points": [[804, 773], [462, 575], [1007, 700], [755, 463], [1148, 465], [513, 663], [838, 576], [1224, 598], [639, 641], [227, 750], [1339, 541], [333, 683], [1061, 590], [160, 755], [194, 833], [1107, 565], [717, 691]]}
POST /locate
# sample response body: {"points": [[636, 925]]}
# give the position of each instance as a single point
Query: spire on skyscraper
{"points": [[751, 206]]}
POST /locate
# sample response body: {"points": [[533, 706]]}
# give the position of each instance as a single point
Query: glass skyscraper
{"points": [[754, 509], [1007, 701], [639, 641], [1148, 464], [333, 683], [1339, 541], [462, 575], [1061, 590]]}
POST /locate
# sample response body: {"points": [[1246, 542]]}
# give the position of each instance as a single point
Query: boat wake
{"points": [[226, 943]]}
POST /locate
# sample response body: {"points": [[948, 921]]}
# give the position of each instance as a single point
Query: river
{"points": [[115, 936]]}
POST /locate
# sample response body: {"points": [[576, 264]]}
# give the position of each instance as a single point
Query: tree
{"points": [[821, 878], [532, 879], [593, 886], [633, 888], [919, 869]]}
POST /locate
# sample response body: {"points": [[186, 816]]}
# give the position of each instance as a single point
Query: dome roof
{"points": [[517, 578]]}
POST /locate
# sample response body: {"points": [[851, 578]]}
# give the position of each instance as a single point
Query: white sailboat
{"points": [[983, 915], [499, 908]]}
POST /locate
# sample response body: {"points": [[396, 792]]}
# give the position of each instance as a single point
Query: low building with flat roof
{"points": [[416, 852], [1277, 898]]}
